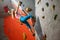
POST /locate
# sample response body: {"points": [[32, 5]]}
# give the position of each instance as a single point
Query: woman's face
{"points": [[26, 10]]}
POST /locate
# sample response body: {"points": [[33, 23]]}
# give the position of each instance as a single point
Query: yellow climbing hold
{"points": [[24, 36], [53, 7]]}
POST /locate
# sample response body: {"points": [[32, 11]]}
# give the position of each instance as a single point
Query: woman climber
{"points": [[24, 19]]}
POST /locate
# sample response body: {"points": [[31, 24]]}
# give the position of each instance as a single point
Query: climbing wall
{"points": [[48, 12], [14, 30]]}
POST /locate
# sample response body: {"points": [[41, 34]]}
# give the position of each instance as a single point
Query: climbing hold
{"points": [[47, 4], [53, 7], [42, 9], [33, 34], [21, 23], [43, 17], [24, 36], [38, 1], [44, 37], [55, 17], [6, 9]]}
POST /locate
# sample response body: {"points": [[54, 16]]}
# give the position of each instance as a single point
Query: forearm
{"points": [[17, 7], [24, 12]]}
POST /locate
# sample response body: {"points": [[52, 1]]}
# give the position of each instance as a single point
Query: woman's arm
{"points": [[17, 7], [25, 12]]}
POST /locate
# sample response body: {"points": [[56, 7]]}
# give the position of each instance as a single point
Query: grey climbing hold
{"points": [[43, 9], [53, 7], [43, 17], [47, 4], [55, 17], [38, 1]]}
